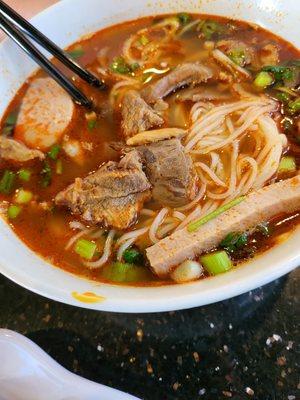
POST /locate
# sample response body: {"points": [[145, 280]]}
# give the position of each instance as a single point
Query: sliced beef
{"points": [[137, 115], [170, 172], [185, 74], [261, 205], [11, 149], [111, 196]]}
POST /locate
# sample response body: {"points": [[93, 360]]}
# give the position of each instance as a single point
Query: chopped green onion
{"points": [[13, 211], [77, 52], [216, 263], [294, 106], [194, 226], [24, 174], [11, 118], [120, 66], [280, 73], [124, 272], [287, 164], [283, 97], [132, 256], [23, 196], [263, 79], [134, 66], [7, 182], [91, 124], [234, 241], [209, 28], [184, 18], [237, 56], [59, 167], [264, 228], [85, 248], [54, 151], [46, 174], [143, 40]]}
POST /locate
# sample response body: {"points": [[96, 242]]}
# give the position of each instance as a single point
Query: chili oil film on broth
{"points": [[186, 167]]}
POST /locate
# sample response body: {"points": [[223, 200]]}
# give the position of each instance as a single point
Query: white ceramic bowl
{"points": [[65, 22]]}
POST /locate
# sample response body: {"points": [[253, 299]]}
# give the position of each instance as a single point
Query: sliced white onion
{"points": [[187, 271]]}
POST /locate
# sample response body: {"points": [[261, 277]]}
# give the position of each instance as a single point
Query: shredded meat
{"points": [[185, 74], [137, 115], [261, 205], [112, 196], [11, 149], [170, 171]]}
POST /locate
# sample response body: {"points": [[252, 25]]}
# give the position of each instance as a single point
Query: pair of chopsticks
{"points": [[17, 28]]}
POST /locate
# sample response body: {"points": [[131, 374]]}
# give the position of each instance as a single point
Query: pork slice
{"points": [[170, 171], [137, 115], [112, 196], [258, 206], [185, 74], [11, 149]]}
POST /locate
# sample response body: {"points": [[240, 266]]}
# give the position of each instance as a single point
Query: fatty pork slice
{"points": [[170, 171], [111, 196], [13, 150], [137, 115], [45, 114], [183, 75], [259, 206]]}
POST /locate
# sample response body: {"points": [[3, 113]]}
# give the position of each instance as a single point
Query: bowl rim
{"points": [[262, 270]]}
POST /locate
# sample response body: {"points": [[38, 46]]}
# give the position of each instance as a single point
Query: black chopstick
{"points": [[40, 38], [41, 60]]}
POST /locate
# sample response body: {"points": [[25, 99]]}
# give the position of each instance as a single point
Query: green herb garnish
{"points": [[54, 151], [7, 182]]}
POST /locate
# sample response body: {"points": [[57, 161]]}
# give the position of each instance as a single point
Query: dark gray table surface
{"points": [[242, 348]]}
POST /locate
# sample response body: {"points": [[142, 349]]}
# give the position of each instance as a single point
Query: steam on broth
{"points": [[187, 167]]}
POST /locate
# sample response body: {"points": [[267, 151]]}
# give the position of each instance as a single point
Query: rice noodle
{"points": [[124, 247], [158, 220], [130, 235], [106, 252]]}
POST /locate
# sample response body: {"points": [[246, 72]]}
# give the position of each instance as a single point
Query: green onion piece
{"points": [[237, 56], [54, 151], [216, 263], [11, 118], [24, 174], [194, 226], [91, 124], [280, 73], [184, 18], [59, 167], [283, 97], [209, 28], [13, 211], [77, 52], [143, 40], [85, 248], [132, 256], [234, 241], [294, 106], [287, 164], [46, 175], [23, 196], [134, 66], [263, 79], [7, 182], [120, 66], [124, 272]]}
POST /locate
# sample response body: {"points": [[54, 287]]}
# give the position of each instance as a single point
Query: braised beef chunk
{"points": [[170, 172], [112, 196], [137, 115], [11, 149], [185, 74]]}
